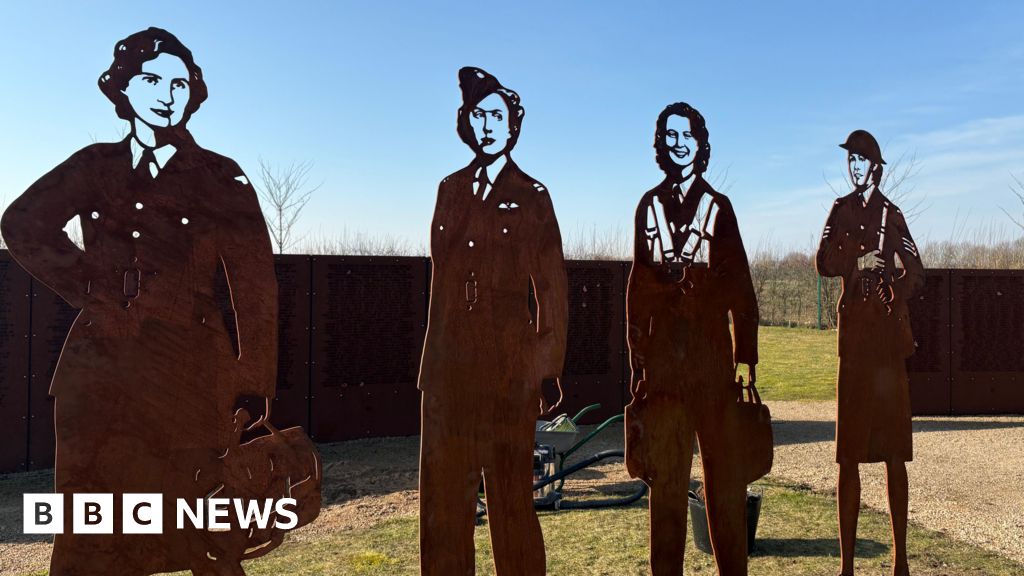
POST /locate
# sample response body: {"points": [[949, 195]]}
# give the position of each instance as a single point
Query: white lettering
{"points": [[43, 513], [281, 508], [196, 518], [93, 514], [253, 512], [142, 514], [218, 508]]}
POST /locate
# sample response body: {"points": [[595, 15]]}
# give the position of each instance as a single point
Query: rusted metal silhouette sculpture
{"points": [[493, 236], [147, 383], [866, 242], [689, 274]]}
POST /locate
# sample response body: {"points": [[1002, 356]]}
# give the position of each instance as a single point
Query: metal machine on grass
{"points": [[555, 442]]}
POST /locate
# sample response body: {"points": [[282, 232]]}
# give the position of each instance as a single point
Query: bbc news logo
{"points": [[144, 513]]}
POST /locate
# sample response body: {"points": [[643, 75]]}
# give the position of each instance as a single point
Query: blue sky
{"points": [[367, 92]]}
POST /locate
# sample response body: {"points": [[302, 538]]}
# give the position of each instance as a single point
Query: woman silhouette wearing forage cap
{"points": [[148, 377], [493, 236], [866, 242]]}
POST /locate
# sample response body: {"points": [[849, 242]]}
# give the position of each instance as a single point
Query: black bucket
{"points": [[699, 518]]}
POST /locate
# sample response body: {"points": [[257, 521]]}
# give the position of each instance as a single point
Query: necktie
{"points": [[145, 161], [482, 183]]}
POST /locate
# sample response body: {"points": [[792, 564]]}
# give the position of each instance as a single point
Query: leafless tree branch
{"points": [[284, 192], [1018, 190], [897, 185]]}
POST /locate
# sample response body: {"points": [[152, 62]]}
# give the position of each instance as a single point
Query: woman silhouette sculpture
{"points": [[148, 377]]}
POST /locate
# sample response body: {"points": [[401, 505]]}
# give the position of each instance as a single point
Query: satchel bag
{"points": [[755, 444], [278, 464]]}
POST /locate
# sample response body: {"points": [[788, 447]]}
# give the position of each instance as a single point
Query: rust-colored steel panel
{"points": [[929, 368], [595, 341], [291, 401], [369, 317], [294, 292], [14, 364], [627, 369], [145, 380], [866, 241], [51, 320], [493, 238], [690, 276], [987, 341]]}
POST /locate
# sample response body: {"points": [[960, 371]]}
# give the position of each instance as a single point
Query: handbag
{"points": [[277, 464], [755, 444]]}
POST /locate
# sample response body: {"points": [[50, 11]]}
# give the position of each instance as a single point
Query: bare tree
{"points": [[1018, 190], [597, 244], [720, 180], [285, 192], [123, 130], [356, 243]]}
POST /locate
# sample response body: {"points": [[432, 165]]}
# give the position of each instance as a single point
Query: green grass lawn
{"points": [[797, 363], [796, 536]]}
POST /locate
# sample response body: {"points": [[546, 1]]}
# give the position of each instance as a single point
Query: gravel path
{"points": [[967, 477], [967, 480]]}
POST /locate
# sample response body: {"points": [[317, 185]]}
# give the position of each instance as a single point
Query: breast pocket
{"points": [[509, 222]]}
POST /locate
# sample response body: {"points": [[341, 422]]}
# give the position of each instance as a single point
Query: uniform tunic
{"points": [[689, 275], [146, 382], [486, 252], [678, 321], [484, 358], [873, 423]]}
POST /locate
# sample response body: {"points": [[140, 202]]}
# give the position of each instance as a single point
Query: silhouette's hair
{"points": [[476, 84], [697, 128], [141, 47]]}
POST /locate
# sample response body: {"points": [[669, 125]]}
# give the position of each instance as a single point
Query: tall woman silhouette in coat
{"points": [[148, 377]]}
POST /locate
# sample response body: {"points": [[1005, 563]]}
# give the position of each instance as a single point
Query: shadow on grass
{"points": [[808, 547]]}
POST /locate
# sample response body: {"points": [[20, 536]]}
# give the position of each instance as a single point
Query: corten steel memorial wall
{"points": [[369, 319], [15, 295], [596, 368], [351, 332], [291, 403], [930, 378], [987, 341]]}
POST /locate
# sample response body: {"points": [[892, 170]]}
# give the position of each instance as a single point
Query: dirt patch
{"points": [[365, 483]]}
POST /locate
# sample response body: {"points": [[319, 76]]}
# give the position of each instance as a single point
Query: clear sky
{"points": [[367, 92]]}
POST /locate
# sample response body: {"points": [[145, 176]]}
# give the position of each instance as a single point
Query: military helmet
{"points": [[863, 143]]}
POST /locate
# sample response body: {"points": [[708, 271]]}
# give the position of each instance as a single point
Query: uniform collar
{"points": [[868, 195], [162, 154], [680, 193], [493, 169]]}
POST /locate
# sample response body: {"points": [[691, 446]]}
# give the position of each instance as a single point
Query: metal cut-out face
{"points": [[159, 92], [490, 123], [860, 169], [682, 146]]}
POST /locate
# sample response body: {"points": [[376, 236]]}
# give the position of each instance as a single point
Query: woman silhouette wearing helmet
{"points": [[866, 242]]}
